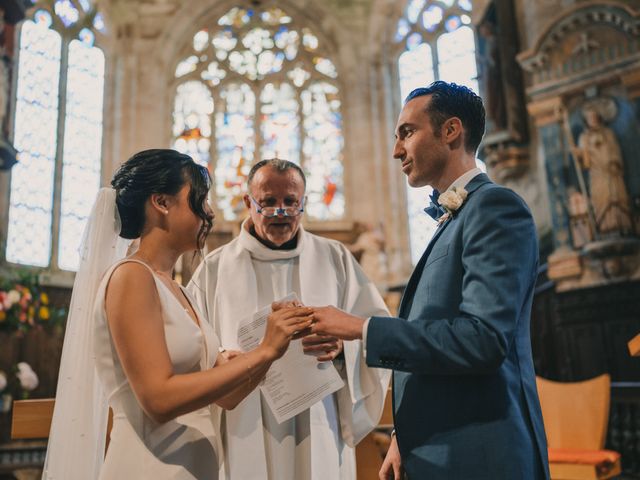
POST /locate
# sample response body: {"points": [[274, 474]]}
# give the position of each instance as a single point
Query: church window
{"points": [[255, 85], [58, 134], [435, 41]]}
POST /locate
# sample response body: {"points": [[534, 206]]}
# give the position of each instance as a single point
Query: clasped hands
{"points": [[330, 326]]}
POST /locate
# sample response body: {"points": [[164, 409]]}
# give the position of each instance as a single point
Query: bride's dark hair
{"points": [[159, 171]]}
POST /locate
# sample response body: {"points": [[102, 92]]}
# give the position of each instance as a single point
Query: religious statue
{"points": [[369, 249], [581, 232], [599, 152], [491, 73]]}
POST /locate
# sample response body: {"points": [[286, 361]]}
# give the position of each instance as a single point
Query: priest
{"points": [[273, 256]]}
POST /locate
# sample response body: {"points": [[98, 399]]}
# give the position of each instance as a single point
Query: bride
{"points": [[136, 342]]}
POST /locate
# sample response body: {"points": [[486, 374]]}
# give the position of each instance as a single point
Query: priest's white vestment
{"points": [[235, 281]]}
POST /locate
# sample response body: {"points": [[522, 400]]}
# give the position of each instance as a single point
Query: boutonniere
{"points": [[451, 201]]}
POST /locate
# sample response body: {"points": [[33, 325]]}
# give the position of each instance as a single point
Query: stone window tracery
{"points": [[257, 84]]}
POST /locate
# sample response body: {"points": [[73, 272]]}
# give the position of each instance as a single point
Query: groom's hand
{"points": [[333, 322], [392, 466]]}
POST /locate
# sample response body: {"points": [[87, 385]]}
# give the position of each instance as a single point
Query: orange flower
{"points": [[44, 298], [3, 316]]}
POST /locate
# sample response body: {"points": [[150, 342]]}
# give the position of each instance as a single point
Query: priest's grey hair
{"points": [[279, 164]]}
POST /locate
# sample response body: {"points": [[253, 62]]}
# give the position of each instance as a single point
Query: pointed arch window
{"points": [[254, 85], [57, 132], [434, 41]]}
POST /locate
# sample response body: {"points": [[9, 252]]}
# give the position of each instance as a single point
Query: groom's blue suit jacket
{"points": [[464, 391]]}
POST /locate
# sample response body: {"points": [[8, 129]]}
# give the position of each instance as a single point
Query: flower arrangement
{"points": [[5, 397], [27, 377], [19, 385], [24, 306]]}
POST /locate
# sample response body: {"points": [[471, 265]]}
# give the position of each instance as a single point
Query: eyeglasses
{"points": [[271, 212]]}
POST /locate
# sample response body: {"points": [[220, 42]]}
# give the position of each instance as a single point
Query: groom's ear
{"points": [[453, 131]]}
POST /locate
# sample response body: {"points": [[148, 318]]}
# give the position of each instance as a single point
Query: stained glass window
{"points": [[82, 147], [272, 93], [280, 129], [434, 42], [31, 207], [59, 158], [192, 121], [235, 141]]}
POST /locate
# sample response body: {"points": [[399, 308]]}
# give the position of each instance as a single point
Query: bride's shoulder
{"points": [[130, 274], [130, 288]]}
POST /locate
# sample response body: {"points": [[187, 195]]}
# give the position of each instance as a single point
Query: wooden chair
{"points": [[634, 346], [31, 419], [575, 419]]}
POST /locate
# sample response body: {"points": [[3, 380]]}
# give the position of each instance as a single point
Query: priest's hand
{"points": [[331, 321], [324, 346]]}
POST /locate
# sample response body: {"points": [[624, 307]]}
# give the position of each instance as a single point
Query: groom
{"points": [[464, 391]]}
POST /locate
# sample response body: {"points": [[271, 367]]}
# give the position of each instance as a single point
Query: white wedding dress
{"points": [[185, 448]]}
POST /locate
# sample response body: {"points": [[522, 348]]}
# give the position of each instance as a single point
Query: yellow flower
{"points": [[3, 316], [44, 298], [44, 313]]}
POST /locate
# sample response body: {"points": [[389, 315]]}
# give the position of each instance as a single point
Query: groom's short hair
{"points": [[453, 100]]}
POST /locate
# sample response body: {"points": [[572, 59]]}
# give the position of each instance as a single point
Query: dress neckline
{"points": [[197, 321]]}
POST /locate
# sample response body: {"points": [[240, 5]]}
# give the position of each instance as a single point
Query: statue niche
{"points": [[598, 200], [584, 99], [504, 147]]}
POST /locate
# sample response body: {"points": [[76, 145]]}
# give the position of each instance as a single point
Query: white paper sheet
{"points": [[296, 380]]}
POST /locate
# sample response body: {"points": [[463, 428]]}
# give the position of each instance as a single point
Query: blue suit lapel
{"points": [[407, 297]]}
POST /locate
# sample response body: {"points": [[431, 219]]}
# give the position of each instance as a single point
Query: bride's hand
{"points": [[280, 305], [282, 325]]}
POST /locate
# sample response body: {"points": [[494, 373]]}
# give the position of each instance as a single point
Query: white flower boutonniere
{"points": [[451, 201]]}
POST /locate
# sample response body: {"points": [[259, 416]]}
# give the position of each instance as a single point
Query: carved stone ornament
{"points": [[584, 65], [583, 46], [506, 160]]}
